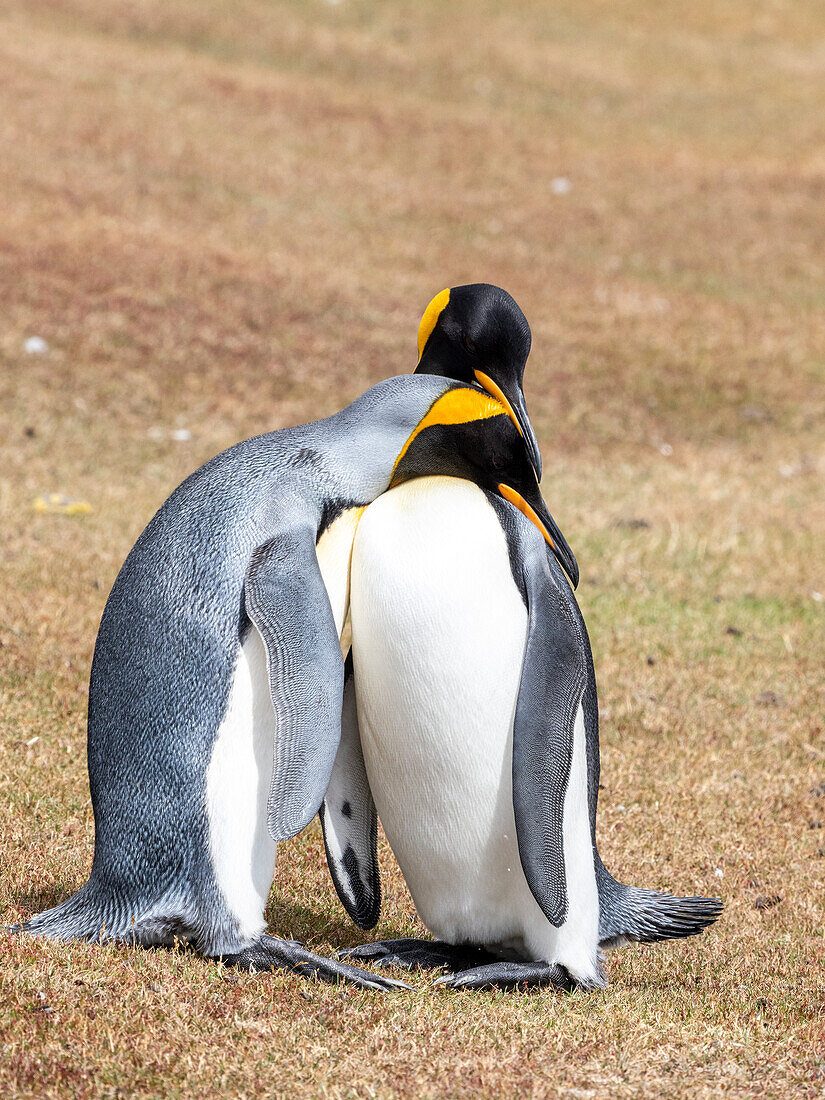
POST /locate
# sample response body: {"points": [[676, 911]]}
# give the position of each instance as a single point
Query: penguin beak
{"points": [[517, 411], [538, 515]]}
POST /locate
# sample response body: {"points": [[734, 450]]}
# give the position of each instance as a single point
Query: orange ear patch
{"points": [[430, 319], [459, 406]]}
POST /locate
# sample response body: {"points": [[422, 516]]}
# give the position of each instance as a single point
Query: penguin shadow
{"points": [[293, 921], [30, 903]]}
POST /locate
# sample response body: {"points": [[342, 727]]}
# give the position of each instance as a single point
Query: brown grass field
{"points": [[225, 218]]}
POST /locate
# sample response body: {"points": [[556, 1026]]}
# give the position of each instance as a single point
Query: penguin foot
{"points": [[511, 975], [269, 953], [419, 954]]}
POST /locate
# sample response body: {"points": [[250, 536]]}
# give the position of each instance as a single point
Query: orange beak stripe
{"points": [[489, 385], [518, 500]]}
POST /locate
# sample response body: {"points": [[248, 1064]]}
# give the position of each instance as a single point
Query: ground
{"points": [[223, 219]]}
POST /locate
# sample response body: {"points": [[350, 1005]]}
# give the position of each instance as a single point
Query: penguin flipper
{"points": [[287, 601], [350, 822], [553, 679]]}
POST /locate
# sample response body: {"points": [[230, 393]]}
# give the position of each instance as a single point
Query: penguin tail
{"points": [[629, 913]]}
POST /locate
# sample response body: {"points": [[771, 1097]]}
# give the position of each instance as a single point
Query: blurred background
{"points": [[223, 218]]}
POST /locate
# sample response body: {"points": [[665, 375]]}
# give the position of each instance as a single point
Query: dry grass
{"points": [[227, 217]]}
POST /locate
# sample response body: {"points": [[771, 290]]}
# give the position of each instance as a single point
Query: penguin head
{"points": [[477, 333], [467, 433]]}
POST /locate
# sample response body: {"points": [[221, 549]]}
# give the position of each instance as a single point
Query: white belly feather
{"points": [[240, 769], [237, 789], [439, 632]]}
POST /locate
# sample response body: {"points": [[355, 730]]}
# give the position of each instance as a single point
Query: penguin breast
{"points": [[439, 631]]}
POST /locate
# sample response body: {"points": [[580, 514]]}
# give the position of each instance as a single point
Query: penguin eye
{"points": [[499, 461], [468, 343]]}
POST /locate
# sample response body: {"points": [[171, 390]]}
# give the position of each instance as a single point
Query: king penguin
{"points": [[215, 697], [471, 720], [475, 334]]}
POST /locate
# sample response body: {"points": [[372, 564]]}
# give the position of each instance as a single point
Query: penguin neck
{"points": [[366, 437]]}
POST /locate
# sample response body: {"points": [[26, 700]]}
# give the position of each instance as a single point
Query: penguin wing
{"points": [[287, 600], [350, 822], [553, 679]]}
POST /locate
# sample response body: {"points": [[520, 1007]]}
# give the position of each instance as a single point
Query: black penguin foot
{"points": [[511, 975], [419, 954], [269, 953]]}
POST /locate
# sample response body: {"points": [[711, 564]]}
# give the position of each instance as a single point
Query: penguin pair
{"points": [[216, 722], [475, 730], [215, 698]]}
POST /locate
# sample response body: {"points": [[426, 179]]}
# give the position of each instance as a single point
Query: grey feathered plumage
{"points": [[168, 645]]}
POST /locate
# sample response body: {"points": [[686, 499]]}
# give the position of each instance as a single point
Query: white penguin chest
{"points": [[439, 631]]}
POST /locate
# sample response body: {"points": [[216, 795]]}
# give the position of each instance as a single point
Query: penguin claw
{"points": [[270, 953], [412, 954], [372, 951], [363, 979], [511, 975]]}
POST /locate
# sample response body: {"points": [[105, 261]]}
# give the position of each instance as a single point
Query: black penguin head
{"points": [[478, 334], [468, 434]]}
